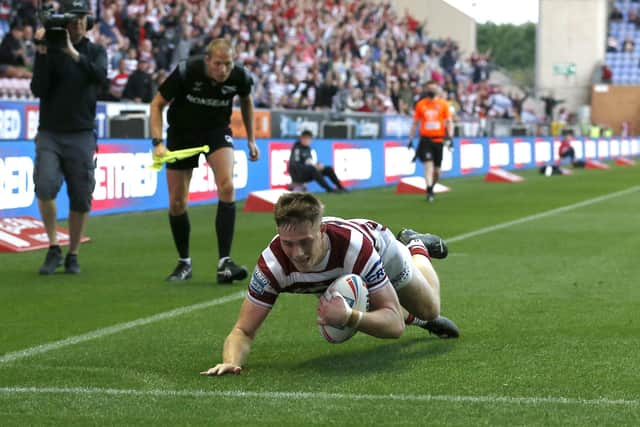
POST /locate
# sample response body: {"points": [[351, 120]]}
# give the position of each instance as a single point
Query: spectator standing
{"points": [[139, 85], [550, 104], [612, 44], [118, 82], [325, 93], [12, 50]]}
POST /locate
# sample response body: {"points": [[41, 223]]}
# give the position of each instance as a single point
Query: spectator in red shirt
{"points": [[607, 74], [119, 81], [566, 151]]}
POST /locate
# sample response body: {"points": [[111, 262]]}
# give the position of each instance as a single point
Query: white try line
{"points": [[99, 333], [286, 395], [110, 330], [544, 214]]}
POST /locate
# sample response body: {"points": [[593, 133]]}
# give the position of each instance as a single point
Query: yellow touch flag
{"points": [[172, 156]]}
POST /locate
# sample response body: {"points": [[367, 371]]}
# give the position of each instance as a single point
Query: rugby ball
{"points": [[355, 293]]}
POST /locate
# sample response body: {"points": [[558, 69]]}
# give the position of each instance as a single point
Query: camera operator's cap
{"points": [[75, 6]]}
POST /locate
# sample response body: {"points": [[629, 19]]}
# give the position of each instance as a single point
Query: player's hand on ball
{"points": [[221, 369], [333, 311], [159, 150], [254, 152]]}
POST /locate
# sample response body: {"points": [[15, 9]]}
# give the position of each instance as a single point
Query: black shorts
{"points": [[302, 173], [69, 156], [429, 151], [179, 139]]}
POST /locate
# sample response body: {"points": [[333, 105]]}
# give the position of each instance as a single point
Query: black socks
{"points": [[181, 228], [225, 223]]}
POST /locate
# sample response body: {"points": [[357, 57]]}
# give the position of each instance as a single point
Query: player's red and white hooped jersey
{"points": [[379, 235], [352, 249]]}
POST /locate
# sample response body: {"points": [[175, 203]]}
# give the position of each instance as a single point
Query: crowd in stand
{"points": [[339, 55]]}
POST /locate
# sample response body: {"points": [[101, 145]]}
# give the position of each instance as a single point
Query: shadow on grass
{"points": [[396, 355]]}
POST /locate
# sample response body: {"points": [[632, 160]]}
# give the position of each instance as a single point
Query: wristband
{"points": [[355, 318], [156, 141]]}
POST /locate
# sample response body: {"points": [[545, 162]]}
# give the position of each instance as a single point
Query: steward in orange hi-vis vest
{"points": [[433, 116]]}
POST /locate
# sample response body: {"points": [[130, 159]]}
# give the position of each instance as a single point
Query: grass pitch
{"points": [[547, 307]]}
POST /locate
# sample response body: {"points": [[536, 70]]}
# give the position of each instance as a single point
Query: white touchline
{"points": [[287, 395], [540, 215], [109, 330]]}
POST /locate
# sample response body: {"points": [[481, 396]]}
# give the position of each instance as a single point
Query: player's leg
{"points": [[221, 162], [420, 294], [178, 179], [415, 297], [418, 287]]}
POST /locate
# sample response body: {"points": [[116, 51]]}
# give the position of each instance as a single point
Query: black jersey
{"points": [[200, 102], [300, 156]]}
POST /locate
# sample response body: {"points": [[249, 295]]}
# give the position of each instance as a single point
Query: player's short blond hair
{"points": [[296, 208], [219, 44]]}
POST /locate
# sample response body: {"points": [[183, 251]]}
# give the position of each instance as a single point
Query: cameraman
{"points": [[67, 80]]}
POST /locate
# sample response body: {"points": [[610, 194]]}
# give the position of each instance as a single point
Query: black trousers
{"points": [[307, 173]]}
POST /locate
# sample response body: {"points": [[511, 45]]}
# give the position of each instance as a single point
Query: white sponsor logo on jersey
{"points": [[208, 102]]}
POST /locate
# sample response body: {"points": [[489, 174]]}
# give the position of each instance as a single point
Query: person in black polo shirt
{"points": [[304, 168], [200, 94], [67, 81], [139, 86]]}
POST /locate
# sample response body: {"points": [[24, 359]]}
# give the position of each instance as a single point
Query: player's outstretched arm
{"points": [[238, 344]]}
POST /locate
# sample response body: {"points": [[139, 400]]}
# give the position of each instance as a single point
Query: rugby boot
{"points": [[442, 327], [230, 271], [435, 245], [181, 273]]}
